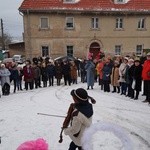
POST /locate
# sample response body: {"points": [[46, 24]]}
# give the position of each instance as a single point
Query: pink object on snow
{"points": [[39, 144]]}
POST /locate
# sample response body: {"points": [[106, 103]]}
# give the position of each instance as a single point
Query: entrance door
{"points": [[95, 49]]}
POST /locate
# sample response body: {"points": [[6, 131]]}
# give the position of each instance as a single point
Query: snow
{"points": [[118, 120]]}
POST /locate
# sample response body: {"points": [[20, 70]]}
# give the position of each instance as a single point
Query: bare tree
{"points": [[5, 41]]}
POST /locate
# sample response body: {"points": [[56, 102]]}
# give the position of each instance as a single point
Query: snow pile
{"points": [[103, 126]]}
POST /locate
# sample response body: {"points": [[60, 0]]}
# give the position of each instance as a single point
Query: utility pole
{"points": [[2, 30]]}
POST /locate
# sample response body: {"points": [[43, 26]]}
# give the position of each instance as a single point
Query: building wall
{"points": [[16, 49], [57, 37]]}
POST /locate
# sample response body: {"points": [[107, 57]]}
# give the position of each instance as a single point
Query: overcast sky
{"points": [[12, 20]]}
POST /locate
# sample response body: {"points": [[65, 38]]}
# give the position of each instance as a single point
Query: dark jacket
{"points": [[137, 76], [58, 72], [51, 70], [66, 69], [44, 73], [106, 72]]}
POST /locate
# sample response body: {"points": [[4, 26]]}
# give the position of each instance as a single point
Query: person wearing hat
{"points": [[5, 79], [115, 77], [146, 78], [28, 75], [129, 78], [137, 77], [122, 70], [81, 117]]}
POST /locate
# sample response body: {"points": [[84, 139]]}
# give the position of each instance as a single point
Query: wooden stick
{"points": [[51, 115]]}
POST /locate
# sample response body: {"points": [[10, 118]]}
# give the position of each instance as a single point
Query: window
{"points": [[118, 50], [119, 23], [94, 23], [120, 1], [141, 23], [45, 51], [44, 23], [69, 50], [69, 22], [69, 1], [139, 49]]}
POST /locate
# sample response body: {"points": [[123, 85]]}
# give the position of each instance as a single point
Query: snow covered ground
{"points": [[19, 121]]}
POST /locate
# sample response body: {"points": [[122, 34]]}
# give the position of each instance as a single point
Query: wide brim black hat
{"points": [[80, 94]]}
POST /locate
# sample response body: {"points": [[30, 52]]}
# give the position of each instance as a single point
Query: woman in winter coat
{"points": [[44, 75], [36, 75], [90, 73], [99, 68], [4, 76], [81, 117], [122, 70], [137, 77], [28, 75], [115, 77], [73, 72], [106, 76], [58, 76]]}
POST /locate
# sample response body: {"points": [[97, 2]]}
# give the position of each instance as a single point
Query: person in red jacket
{"points": [[28, 75], [146, 78]]}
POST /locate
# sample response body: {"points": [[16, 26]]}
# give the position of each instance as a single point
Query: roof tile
{"points": [[85, 5]]}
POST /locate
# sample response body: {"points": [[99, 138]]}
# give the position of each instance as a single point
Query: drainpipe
{"points": [[29, 35]]}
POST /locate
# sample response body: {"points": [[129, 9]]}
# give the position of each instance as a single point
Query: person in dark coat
{"points": [[51, 73], [137, 77], [66, 72], [14, 76], [44, 74], [39, 65], [58, 69], [36, 74], [106, 76], [129, 78]]}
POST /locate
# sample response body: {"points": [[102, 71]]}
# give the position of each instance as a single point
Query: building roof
{"points": [[85, 5]]}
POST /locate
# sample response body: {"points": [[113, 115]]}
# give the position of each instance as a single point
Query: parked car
{"points": [[19, 59]]}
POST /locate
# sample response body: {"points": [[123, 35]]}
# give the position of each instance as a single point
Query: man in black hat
{"points": [[81, 117]]}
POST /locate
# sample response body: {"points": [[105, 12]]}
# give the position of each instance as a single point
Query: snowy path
{"points": [[19, 121]]}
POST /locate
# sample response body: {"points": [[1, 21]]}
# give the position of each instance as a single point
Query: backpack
{"points": [[6, 89]]}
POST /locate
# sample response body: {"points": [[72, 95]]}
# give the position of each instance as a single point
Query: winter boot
{"points": [[114, 89]]}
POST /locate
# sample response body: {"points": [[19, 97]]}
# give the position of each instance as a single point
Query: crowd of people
{"points": [[124, 74]]}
